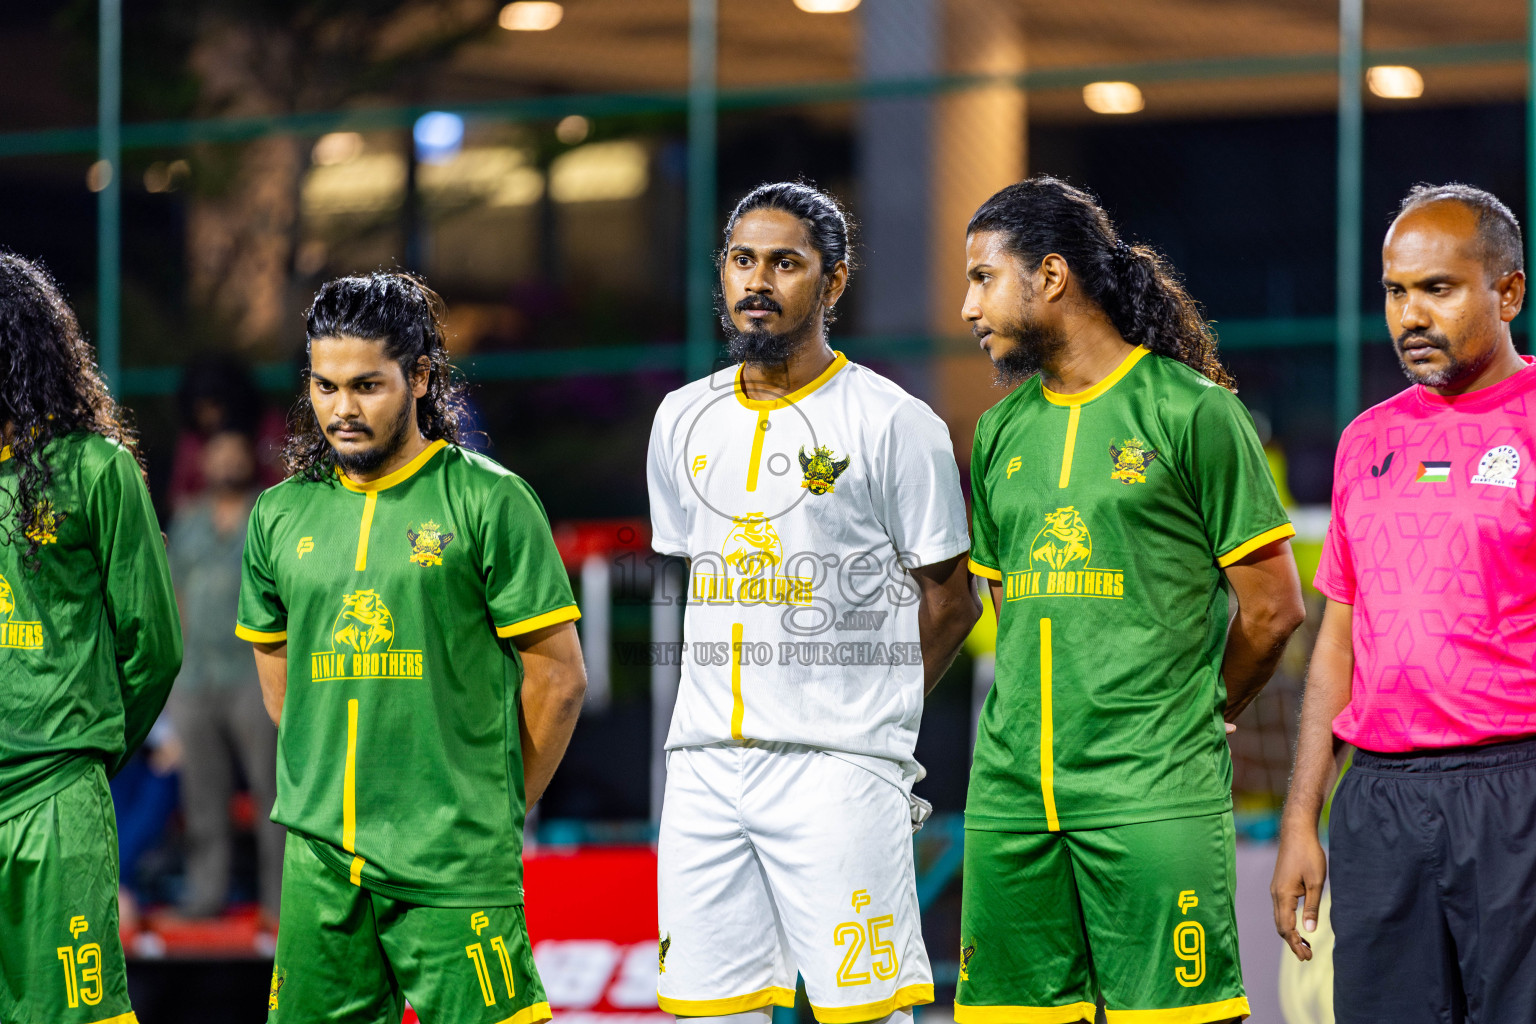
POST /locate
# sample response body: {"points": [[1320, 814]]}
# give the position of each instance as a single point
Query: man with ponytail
{"points": [[414, 635], [1120, 497], [820, 505]]}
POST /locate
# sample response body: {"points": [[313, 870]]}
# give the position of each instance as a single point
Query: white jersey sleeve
{"points": [[919, 487], [669, 520]]}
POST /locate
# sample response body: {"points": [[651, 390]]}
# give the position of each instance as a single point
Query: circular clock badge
{"points": [[1498, 466]]}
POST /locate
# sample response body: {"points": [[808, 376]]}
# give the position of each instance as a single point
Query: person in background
{"points": [[216, 708], [218, 393]]}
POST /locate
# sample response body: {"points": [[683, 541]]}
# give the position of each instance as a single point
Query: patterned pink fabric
{"points": [[1433, 541]]}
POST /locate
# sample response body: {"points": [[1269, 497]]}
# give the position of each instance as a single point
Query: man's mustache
{"points": [[334, 427], [758, 302]]}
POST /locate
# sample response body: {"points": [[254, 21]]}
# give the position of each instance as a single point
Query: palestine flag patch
{"points": [[1433, 472]]}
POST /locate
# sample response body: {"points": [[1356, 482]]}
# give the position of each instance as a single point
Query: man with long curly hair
{"points": [[1120, 495], [434, 681], [89, 645]]}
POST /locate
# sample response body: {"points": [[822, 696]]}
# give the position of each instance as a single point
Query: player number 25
{"points": [[476, 953], [1189, 945], [87, 987], [882, 952]]}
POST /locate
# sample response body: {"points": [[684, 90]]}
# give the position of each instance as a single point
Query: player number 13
{"points": [[86, 987], [882, 952]]}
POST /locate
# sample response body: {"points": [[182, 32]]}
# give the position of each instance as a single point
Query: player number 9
{"points": [[1189, 945]]}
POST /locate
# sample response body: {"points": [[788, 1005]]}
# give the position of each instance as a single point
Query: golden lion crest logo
{"points": [[7, 597], [661, 953], [821, 469], [1063, 541], [277, 984], [364, 622], [966, 952], [753, 546], [427, 545], [46, 523], [1131, 461]]}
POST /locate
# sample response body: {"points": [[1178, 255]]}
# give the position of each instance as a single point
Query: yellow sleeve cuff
{"points": [[256, 636], [1249, 547], [984, 570], [570, 613]]}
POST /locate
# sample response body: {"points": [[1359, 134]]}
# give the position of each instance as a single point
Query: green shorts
{"points": [[1141, 914], [346, 955], [60, 957]]}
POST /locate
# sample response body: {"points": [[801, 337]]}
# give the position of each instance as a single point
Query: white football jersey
{"points": [[800, 517]]}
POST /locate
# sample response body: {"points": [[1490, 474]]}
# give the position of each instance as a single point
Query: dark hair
{"points": [[49, 387], [226, 381], [399, 310], [826, 221], [1134, 286], [1498, 232]]}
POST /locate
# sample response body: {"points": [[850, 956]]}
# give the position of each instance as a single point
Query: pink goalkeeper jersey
{"points": [[1434, 515]]}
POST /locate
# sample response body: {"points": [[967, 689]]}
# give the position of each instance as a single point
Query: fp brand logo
{"points": [[1187, 901], [306, 545], [699, 464], [77, 925], [860, 900], [479, 922], [1014, 465]]}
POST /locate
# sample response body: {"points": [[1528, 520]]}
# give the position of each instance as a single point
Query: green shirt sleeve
{"points": [[1233, 487], [526, 585], [140, 604], [984, 560], [261, 617]]}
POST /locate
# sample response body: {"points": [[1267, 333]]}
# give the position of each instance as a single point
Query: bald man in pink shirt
{"points": [[1426, 659]]}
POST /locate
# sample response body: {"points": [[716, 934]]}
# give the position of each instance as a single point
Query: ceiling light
{"points": [[600, 171], [1395, 82], [530, 16], [573, 129], [337, 148], [439, 136], [1113, 97], [826, 6], [99, 176]]}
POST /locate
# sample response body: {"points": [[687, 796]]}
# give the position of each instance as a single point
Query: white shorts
{"points": [[776, 858]]}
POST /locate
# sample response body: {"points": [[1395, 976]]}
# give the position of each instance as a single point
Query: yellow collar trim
{"points": [[398, 476], [1083, 397], [5, 453], [785, 401]]}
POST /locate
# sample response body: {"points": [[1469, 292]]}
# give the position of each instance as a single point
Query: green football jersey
{"points": [[1107, 516], [399, 756], [90, 642]]}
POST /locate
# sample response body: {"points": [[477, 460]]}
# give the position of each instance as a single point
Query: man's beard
{"points": [[1454, 370], [395, 435], [757, 344], [1034, 344]]}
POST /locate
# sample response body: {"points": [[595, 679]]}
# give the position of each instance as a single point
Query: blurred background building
{"points": [[560, 172]]}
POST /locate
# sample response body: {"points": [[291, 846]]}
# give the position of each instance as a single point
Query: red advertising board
{"points": [[592, 919]]}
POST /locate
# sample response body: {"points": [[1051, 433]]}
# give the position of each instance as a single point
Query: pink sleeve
{"points": [[1335, 577]]}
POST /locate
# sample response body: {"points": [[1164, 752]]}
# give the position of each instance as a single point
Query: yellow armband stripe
{"points": [[570, 613]]}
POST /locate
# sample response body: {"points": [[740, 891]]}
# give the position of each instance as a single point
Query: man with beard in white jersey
{"points": [[828, 591]]}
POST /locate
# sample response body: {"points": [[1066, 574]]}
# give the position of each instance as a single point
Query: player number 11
{"points": [[476, 953]]}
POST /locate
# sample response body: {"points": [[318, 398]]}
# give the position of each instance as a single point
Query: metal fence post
{"points": [[109, 113], [703, 45]]}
